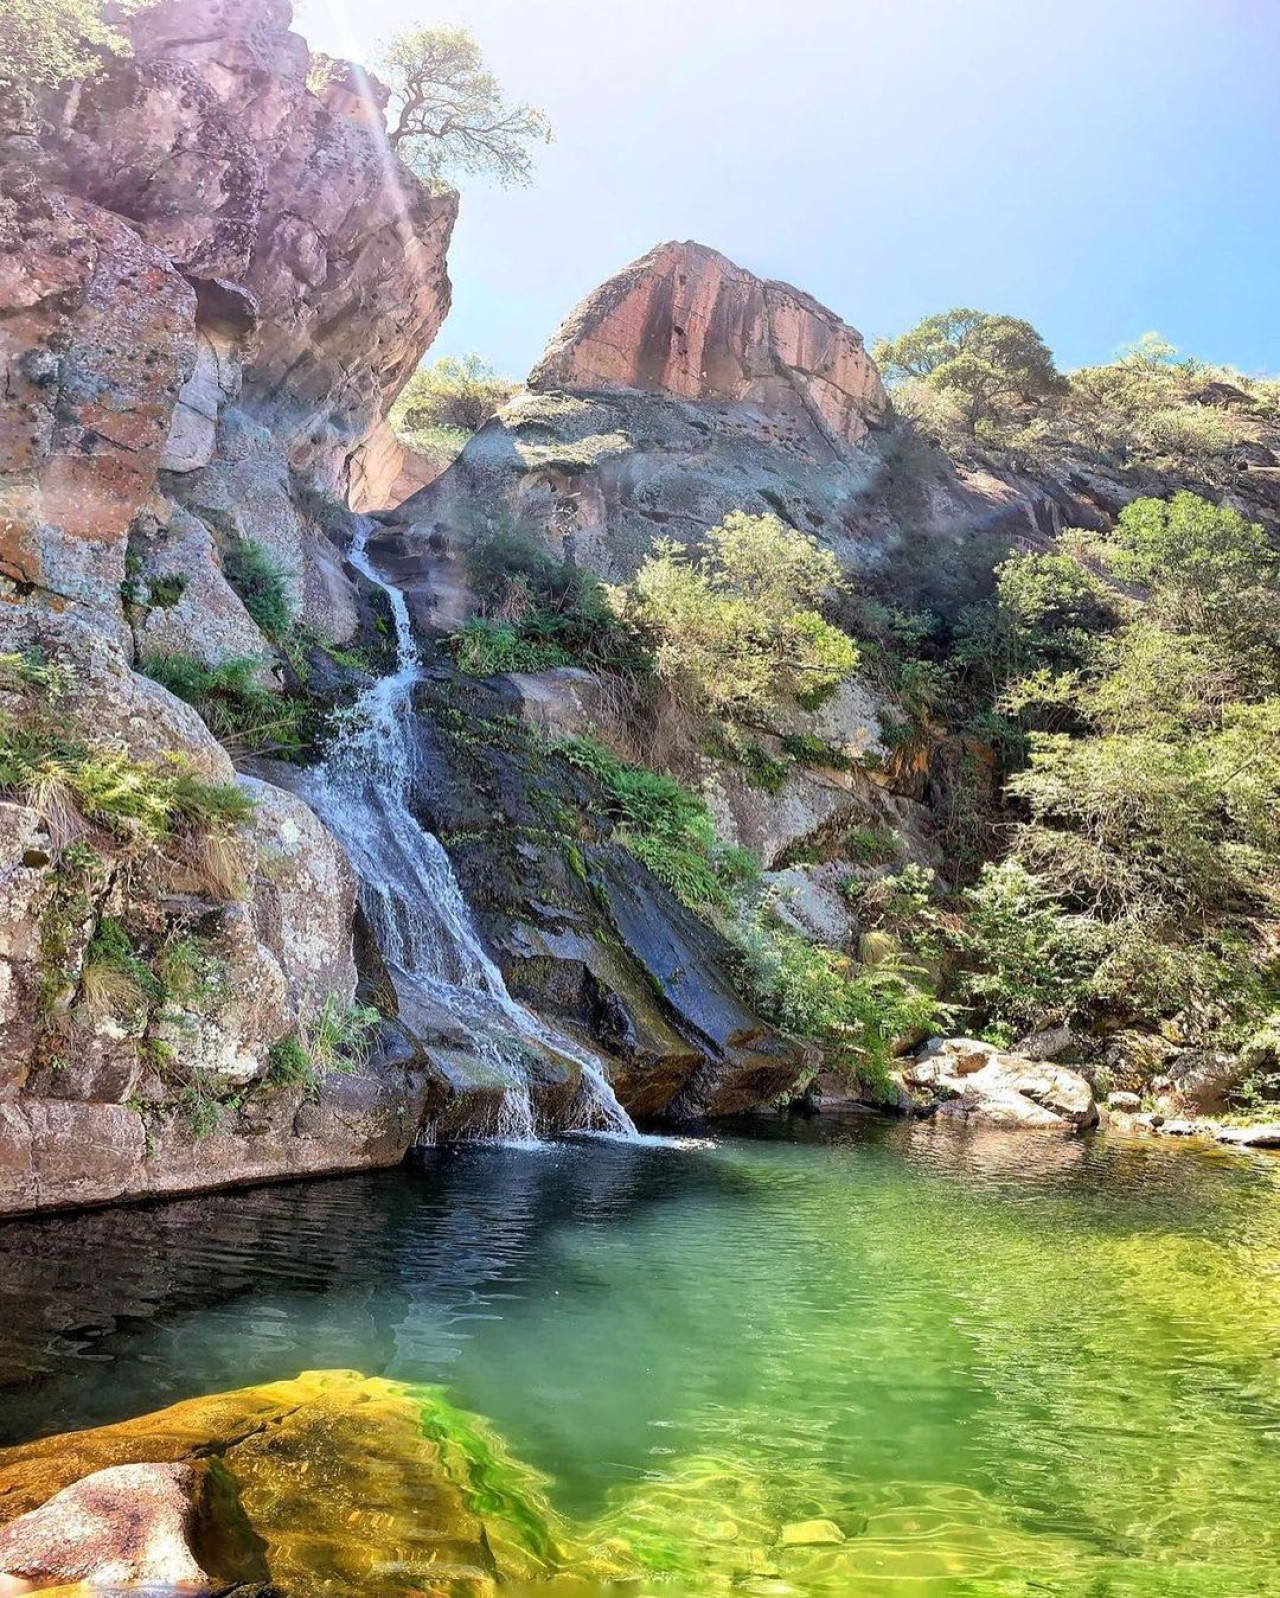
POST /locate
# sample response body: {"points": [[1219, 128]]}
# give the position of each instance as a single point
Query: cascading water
{"points": [[413, 902]]}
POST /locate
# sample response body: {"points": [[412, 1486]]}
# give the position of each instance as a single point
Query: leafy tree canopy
{"points": [[47, 42], [451, 392], [737, 630], [448, 114], [985, 362]]}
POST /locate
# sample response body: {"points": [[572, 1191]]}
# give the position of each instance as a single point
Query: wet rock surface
{"points": [[330, 1482]]}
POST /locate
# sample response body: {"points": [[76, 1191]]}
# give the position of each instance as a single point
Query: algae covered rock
{"points": [[350, 1484]]}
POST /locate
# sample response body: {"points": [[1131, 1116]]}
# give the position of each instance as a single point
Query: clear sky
{"points": [[1100, 167]]}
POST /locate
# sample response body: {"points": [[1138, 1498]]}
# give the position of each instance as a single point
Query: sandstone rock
{"points": [[565, 701], [369, 1481], [99, 339], [1204, 1080], [210, 141], [1181, 1126], [214, 382], [1126, 1103], [247, 493], [1135, 1059], [809, 900], [25, 850], [56, 1153], [1054, 1043], [107, 698], [1265, 1136], [383, 472], [128, 1526], [304, 898], [684, 321]]}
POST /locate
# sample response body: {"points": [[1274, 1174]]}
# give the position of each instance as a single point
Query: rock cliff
{"points": [[685, 321], [214, 281]]}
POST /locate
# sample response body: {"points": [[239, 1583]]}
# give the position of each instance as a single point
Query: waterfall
{"points": [[413, 902]]}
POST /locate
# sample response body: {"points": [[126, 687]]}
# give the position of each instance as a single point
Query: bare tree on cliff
{"points": [[447, 112]]}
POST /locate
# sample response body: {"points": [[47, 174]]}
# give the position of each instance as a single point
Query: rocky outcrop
{"points": [[685, 321], [151, 1082], [211, 144], [581, 931], [193, 232], [384, 1487], [978, 1084]]}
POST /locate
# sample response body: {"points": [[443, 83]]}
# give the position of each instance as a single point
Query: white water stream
{"points": [[415, 907]]}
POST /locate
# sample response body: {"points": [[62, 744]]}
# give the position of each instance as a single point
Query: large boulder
{"points": [[975, 1082], [127, 1526]]}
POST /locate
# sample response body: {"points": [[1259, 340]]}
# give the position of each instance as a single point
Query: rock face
{"points": [[197, 231], [582, 932], [685, 321]]}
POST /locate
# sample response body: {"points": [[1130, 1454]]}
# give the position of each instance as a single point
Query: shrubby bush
{"points": [[539, 612], [1143, 871], [455, 394], [737, 630]]}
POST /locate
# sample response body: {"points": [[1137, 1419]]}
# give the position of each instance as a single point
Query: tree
{"points": [[47, 42], [447, 111], [456, 393], [987, 362], [1150, 822], [736, 631]]}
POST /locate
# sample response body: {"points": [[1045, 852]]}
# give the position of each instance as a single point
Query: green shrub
{"points": [[663, 824], [986, 365], [484, 648], [336, 1040], [288, 1063], [735, 631], [261, 584], [148, 800], [542, 610], [457, 395], [1023, 963], [48, 42], [857, 1013], [231, 703]]}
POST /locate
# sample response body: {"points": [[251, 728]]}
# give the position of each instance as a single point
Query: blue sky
{"points": [[1099, 168]]}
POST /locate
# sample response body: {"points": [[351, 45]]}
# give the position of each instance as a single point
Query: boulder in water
{"points": [[975, 1082]]}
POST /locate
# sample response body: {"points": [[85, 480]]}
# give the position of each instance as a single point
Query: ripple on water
{"points": [[994, 1364]]}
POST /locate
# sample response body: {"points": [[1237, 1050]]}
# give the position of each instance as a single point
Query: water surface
{"points": [[996, 1364]]}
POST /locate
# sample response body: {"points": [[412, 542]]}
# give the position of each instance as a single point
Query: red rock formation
{"points": [[684, 320], [210, 142], [194, 228]]}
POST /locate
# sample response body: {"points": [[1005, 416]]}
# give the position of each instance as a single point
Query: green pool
{"points": [[829, 1358]]}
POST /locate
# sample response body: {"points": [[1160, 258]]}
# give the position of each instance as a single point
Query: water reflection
{"points": [[903, 1326]]}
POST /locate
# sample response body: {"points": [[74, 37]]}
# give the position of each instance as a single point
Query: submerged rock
{"points": [[350, 1484]]}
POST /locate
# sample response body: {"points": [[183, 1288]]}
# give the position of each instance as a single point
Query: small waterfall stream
{"points": [[413, 902]]}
